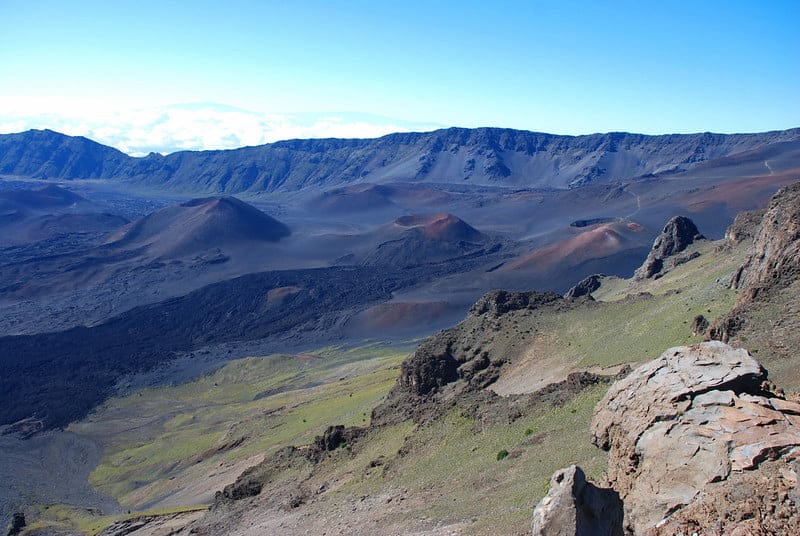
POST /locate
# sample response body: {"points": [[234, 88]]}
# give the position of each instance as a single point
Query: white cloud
{"points": [[194, 126]]}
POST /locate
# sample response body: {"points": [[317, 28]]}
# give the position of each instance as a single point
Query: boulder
{"points": [[677, 235], [677, 427], [575, 507]]}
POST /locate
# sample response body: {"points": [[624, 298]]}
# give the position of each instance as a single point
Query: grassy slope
{"points": [[451, 462], [159, 441], [449, 456], [629, 328]]}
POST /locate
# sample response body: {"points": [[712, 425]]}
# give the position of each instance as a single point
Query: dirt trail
{"points": [[638, 204]]}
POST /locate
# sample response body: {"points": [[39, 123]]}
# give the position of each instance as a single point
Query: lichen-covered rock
{"points": [[575, 507], [677, 235]]}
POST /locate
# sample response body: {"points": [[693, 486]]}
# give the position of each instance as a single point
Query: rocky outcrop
{"points": [[687, 430], [575, 507], [677, 235], [744, 227], [333, 438], [17, 524], [500, 302], [773, 264], [775, 260], [585, 286], [465, 358], [440, 360], [699, 325], [644, 408]]}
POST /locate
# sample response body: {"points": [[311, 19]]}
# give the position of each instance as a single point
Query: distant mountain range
{"points": [[477, 157]]}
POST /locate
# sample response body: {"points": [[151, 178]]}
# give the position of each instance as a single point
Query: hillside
{"points": [[464, 440], [198, 225], [426, 238], [483, 156]]}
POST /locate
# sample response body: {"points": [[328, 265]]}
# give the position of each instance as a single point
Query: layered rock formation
{"points": [[677, 235], [690, 427]]}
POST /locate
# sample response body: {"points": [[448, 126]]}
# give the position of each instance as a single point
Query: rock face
{"points": [[463, 358], [677, 235], [575, 507], [773, 265], [775, 260], [585, 286], [678, 427], [744, 226]]}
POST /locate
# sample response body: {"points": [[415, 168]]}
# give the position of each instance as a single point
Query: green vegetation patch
{"points": [[459, 457], [158, 439], [639, 320], [64, 517]]}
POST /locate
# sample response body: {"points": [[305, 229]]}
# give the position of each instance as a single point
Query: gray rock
{"points": [[575, 507], [699, 325], [677, 235], [678, 426], [585, 286]]}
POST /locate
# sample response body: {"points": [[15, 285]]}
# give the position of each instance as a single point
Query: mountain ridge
{"points": [[484, 156]]}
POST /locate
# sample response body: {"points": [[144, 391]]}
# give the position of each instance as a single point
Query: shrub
{"points": [[502, 454]]}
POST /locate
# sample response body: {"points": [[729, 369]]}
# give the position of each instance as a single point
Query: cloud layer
{"points": [[198, 126]]}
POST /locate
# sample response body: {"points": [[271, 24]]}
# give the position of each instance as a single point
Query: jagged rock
{"points": [[585, 286], [699, 325], [251, 481], [241, 489], [775, 260], [437, 362], [575, 507], [677, 427], [499, 302], [17, 524], [466, 359], [723, 328], [744, 226], [773, 265], [333, 438], [677, 235]]}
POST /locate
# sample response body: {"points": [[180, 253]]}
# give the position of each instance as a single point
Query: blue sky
{"points": [[165, 75]]}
